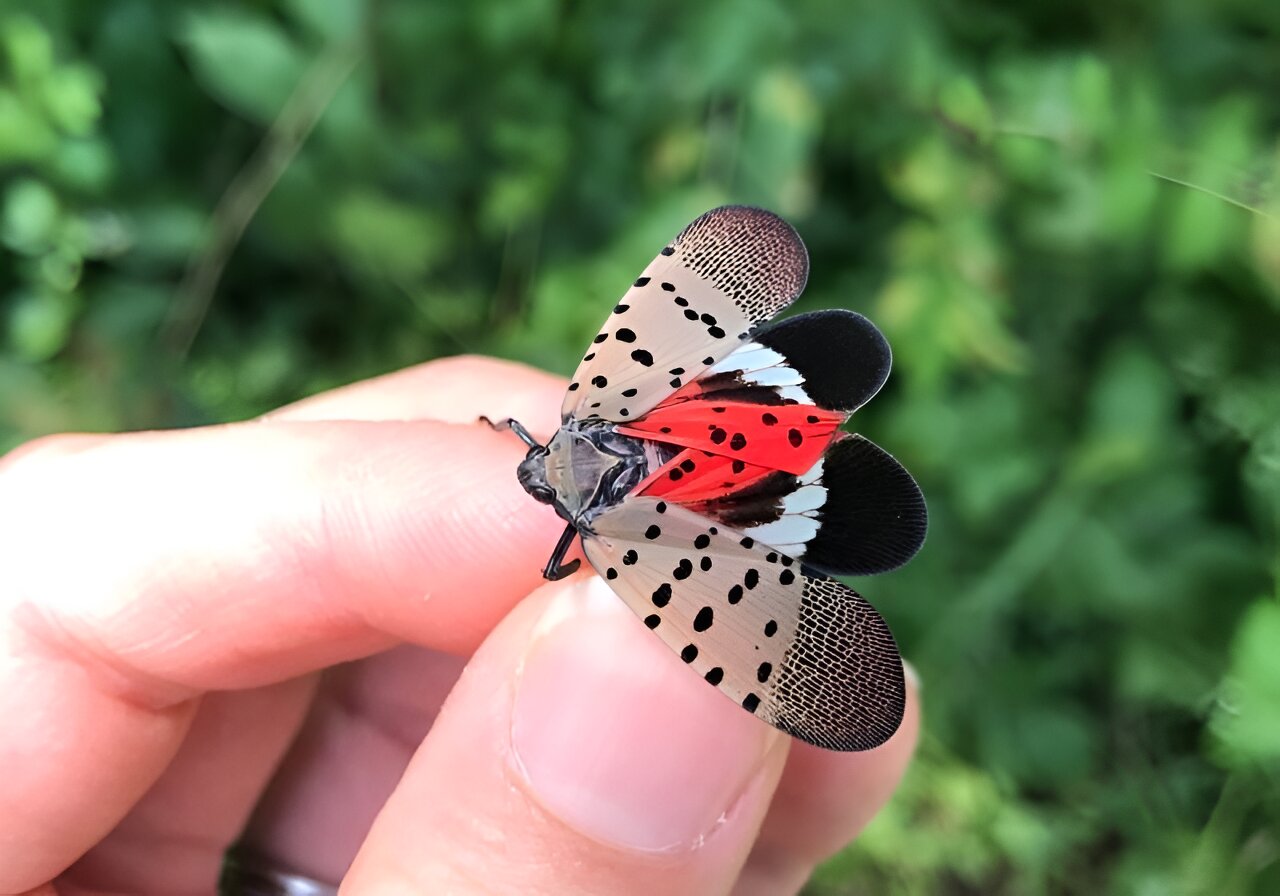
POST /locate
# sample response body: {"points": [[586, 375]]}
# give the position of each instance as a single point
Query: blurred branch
{"points": [[1208, 192], [973, 138], [250, 187], [1218, 861]]}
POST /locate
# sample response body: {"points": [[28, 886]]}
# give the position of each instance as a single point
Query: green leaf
{"points": [[335, 20], [392, 239], [782, 128], [25, 135], [40, 323], [31, 217], [86, 165], [242, 60], [1247, 721], [28, 48], [963, 105], [71, 97]]}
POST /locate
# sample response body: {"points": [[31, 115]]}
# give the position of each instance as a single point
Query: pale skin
{"points": [[172, 607]]}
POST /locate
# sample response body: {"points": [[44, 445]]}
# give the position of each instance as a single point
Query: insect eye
{"points": [[543, 493]]}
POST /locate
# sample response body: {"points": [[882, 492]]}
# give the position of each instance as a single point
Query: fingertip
{"points": [[825, 799], [276, 548], [578, 735], [612, 734]]}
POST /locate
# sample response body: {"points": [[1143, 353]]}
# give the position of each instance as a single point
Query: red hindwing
{"points": [[694, 475], [790, 437]]}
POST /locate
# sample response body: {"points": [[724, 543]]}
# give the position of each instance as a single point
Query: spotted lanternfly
{"points": [[701, 459]]}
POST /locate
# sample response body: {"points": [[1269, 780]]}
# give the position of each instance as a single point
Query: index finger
{"points": [[140, 570], [448, 389]]}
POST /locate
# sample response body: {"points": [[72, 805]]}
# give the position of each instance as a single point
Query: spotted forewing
{"points": [[726, 272]]}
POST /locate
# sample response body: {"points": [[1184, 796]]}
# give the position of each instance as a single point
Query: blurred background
{"points": [[1066, 219]]}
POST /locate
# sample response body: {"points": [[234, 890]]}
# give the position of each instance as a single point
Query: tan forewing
{"points": [[726, 272]]}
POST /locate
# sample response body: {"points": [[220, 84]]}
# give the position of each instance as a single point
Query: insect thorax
{"points": [[590, 467]]}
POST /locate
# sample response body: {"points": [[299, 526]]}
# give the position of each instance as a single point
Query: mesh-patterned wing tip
{"points": [[842, 686], [752, 255]]}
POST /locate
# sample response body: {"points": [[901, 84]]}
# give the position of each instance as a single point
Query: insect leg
{"points": [[556, 570], [515, 427]]}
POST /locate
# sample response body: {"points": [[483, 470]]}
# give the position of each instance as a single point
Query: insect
{"points": [[701, 460]]}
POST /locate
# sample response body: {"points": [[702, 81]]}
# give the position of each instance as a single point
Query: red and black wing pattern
{"points": [[778, 400], [764, 453], [857, 511], [780, 437], [693, 473]]}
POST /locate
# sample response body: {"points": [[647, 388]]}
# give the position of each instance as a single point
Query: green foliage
{"points": [[1066, 220]]}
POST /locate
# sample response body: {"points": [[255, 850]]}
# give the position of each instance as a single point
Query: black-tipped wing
{"points": [[726, 272], [874, 518], [835, 359], [857, 511], [804, 653]]}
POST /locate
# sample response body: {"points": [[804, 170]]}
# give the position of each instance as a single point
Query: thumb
{"points": [[575, 734]]}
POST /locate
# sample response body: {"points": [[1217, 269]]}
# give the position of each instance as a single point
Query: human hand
{"points": [[168, 602]]}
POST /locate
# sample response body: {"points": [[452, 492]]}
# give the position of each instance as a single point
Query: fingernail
{"points": [[618, 738], [911, 675]]}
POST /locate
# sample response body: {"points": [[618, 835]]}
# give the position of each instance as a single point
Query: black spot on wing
{"points": [[874, 518], [841, 355]]}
